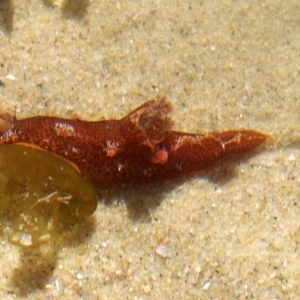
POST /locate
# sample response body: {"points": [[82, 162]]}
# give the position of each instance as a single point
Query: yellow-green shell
{"points": [[40, 193]]}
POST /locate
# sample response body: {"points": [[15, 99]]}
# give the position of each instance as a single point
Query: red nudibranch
{"points": [[140, 148]]}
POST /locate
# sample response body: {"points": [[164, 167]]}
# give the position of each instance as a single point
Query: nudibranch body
{"points": [[138, 149]]}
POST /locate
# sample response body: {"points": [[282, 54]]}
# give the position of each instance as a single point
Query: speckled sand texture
{"points": [[232, 233]]}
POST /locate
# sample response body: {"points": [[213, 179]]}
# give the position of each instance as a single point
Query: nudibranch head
{"points": [[40, 192], [7, 122]]}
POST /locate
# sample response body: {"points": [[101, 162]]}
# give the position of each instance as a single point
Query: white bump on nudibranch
{"points": [[111, 148], [64, 129]]}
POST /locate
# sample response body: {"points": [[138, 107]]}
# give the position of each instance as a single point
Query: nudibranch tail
{"points": [[239, 141]]}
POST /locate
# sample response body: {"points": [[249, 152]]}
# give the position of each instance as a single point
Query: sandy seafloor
{"points": [[231, 233]]}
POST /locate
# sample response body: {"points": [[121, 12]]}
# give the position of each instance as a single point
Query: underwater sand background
{"points": [[233, 232]]}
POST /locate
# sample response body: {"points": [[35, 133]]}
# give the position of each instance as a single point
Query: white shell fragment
{"points": [[163, 251]]}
